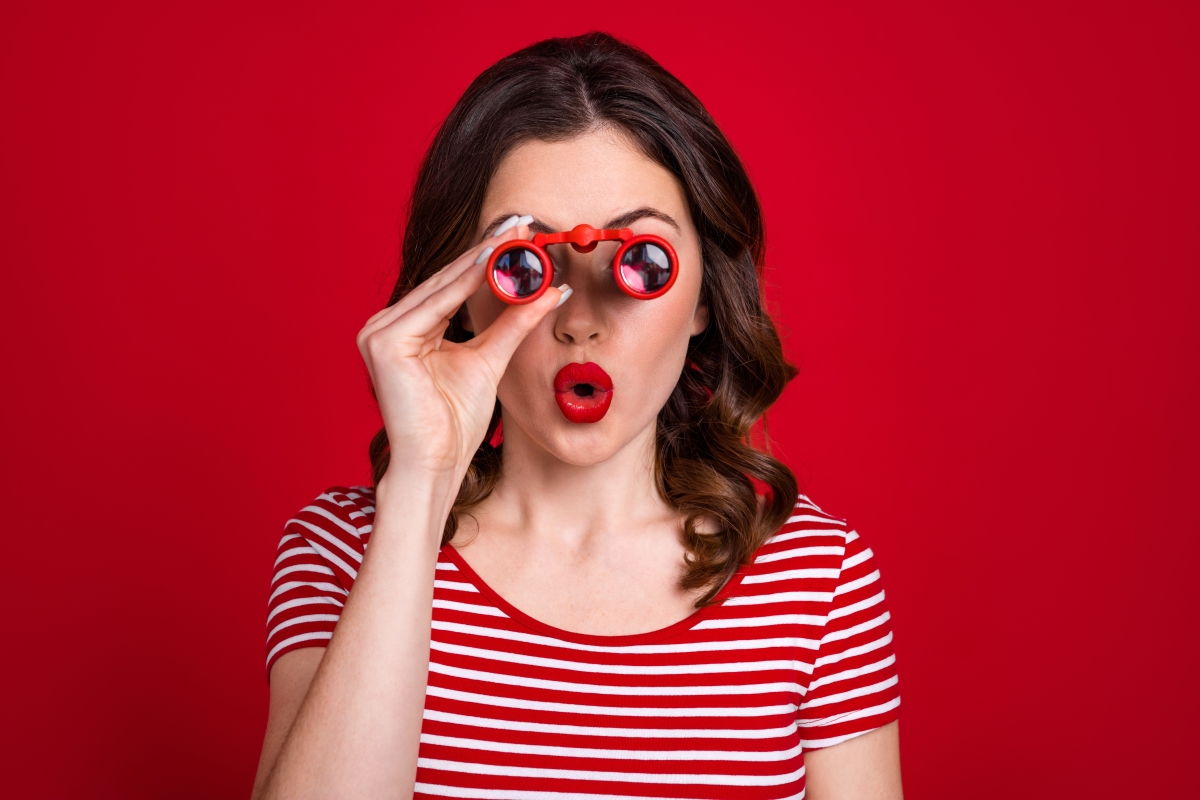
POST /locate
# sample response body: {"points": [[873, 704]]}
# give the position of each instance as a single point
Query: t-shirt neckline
{"points": [[682, 626]]}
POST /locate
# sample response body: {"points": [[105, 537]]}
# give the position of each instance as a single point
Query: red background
{"points": [[984, 248]]}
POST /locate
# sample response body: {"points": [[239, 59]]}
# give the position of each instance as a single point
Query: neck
{"points": [[543, 496]]}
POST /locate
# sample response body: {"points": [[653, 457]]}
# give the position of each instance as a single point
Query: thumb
{"points": [[504, 336]]}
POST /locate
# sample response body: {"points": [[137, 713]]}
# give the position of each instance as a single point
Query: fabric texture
{"points": [[795, 655]]}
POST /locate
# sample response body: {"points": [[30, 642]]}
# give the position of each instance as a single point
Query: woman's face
{"points": [[602, 180]]}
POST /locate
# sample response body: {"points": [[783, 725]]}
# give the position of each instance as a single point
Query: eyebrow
{"points": [[645, 212], [621, 221]]}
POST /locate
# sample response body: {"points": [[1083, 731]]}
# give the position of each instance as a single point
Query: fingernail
{"points": [[487, 251], [508, 223], [525, 220], [566, 292]]}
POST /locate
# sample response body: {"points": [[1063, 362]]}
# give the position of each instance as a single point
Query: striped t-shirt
{"points": [[795, 655]]}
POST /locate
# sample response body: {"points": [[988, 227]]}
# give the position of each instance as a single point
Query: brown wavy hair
{"points": [[707, 465]]}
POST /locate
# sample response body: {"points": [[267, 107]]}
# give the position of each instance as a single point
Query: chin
{"points": [[581, 445], [578, 444], [583, 448], [569, 430]]}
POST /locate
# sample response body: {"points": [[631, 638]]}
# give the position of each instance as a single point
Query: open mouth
{"points": [[583, 392]]}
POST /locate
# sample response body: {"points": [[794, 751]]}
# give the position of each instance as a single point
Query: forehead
{"points": [[589, 179]]}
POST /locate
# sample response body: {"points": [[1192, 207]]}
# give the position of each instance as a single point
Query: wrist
{"points": [[415, 499], [416, 485]]}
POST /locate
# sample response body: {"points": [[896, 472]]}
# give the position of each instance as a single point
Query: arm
{"points": [[848, 716], [346, 722], [290, 678], [866, 767]]}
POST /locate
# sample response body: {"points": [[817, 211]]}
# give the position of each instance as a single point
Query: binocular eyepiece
{"points": [[644, 266]]}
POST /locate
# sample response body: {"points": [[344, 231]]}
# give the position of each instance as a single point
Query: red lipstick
{"points": [[583, 391]]}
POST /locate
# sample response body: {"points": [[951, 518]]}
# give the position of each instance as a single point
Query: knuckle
{"points": [[374, 343]]}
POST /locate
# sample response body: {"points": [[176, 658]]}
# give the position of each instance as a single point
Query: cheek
{"points": [[651, 344], [663, 357], [528, 378]]}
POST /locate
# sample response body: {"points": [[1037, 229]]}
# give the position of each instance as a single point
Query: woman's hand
{"points": [[436, 396], [346, 721]]}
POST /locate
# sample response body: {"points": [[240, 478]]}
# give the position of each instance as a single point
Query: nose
{"points": [[582, 319]]}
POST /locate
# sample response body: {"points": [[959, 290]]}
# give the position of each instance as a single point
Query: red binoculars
{"points": [[644, 266]]}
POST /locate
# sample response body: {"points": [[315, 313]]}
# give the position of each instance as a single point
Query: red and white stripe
{"points": [[796, 655]]}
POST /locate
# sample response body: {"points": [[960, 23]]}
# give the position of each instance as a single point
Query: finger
{"points": [[446, 301], [439, 306], [474, 257], [501, 339], [448, 273], [512, 228], [401, 340], [435, 338], [427, 322]]}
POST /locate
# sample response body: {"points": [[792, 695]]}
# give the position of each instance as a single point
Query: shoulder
{"points": [[350, 510], [354, 504], [317, 562], [333, 529], [809, 531], [805, 560]]}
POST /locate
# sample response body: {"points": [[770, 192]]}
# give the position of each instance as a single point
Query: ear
{"points": [[700, 319]]}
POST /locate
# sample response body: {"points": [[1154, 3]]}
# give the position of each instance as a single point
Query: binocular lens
{"points": [[518, 272], [646, 268]]}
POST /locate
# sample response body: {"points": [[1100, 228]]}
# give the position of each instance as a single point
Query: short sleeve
{"points": [[854, 687], [316, 564]]}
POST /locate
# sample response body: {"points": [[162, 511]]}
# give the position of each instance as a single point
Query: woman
{"points": [[573, 587]]}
